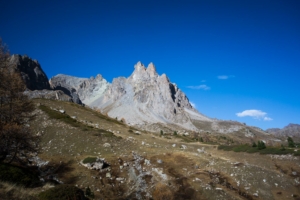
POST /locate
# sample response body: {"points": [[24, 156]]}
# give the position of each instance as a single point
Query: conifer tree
{"points": [[16, 140]]}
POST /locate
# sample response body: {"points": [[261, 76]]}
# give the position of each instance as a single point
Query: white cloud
{"points": [[224, 77], [256, 114], [199, 87], [193, 104], [268, 119]]}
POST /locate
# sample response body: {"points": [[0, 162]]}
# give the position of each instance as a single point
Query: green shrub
{"points": [[89, 193], [261, 145], [254, 144], [89, 160], [18, 176], [175, 133], [290, 142], [161, 132], [62, 192], [249, 149]]}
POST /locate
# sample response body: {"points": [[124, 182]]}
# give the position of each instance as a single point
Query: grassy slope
{"points": [[65, 142]]}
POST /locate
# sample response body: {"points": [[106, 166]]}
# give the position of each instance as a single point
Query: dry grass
{"points": [[162, 192], [10, 191], [187, 170]]}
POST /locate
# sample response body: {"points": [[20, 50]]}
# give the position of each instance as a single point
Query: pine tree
{"points": [[290, 142], [161, 133]]}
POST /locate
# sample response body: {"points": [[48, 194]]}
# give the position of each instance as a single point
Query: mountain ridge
{"points": [[289, 130], [143, 97]]}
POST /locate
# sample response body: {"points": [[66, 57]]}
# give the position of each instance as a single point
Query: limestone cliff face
{"points": [[31, 72], [81, 89], [144, 97]]}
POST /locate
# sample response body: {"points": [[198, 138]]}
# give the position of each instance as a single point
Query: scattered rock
{"points": [[183, 147], [120, 179], [62, 111], [173, 145], [138, 132], [108, 175], [106, 145], [186, 134]]}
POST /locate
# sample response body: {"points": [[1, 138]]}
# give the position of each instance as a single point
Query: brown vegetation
{"points": [[16, 140], [162, 192]]}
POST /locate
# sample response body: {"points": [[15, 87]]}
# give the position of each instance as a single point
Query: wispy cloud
{"points": [[203, 81], [193, 104], [268, 119], [256, 114], [224, 77], [199, 87]]}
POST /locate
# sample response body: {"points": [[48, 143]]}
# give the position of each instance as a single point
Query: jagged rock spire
{"points": [[151, 70]]}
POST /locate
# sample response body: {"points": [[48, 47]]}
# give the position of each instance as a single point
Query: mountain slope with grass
{"points": [[141, 164]]}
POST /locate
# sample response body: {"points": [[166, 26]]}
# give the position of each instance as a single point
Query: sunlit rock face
{"points": [[142, 98]]}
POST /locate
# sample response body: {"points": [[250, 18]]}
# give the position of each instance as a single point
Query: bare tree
{"points": [[17, 143]]}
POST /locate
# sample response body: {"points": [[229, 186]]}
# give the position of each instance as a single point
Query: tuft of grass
{"points": [[89, 160]]}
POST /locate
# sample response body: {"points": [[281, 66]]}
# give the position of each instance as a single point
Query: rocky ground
{"points": [[138, 163]]}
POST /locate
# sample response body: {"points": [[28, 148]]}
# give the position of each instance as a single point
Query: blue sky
{"points": [[235, 60]]}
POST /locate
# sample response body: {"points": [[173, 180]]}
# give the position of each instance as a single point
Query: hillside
{"points": [[292, 130], [141, 161]]}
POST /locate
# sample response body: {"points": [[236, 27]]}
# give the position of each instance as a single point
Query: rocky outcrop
{"points": [[289, 130], [48, 94], [36, 81], [80, 89], [31, 72], [144, 97]]}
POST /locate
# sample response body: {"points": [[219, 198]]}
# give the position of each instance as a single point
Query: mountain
{"points": [[32, 74], [36, 80], [142, 98], [289, 130]]}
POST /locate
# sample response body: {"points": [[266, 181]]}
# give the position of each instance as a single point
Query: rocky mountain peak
{"points": [[141, 73], [151, 70], [143, 98], [139, 66]]}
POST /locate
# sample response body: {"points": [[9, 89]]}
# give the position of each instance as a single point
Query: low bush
{"points": [[89, 160]]}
